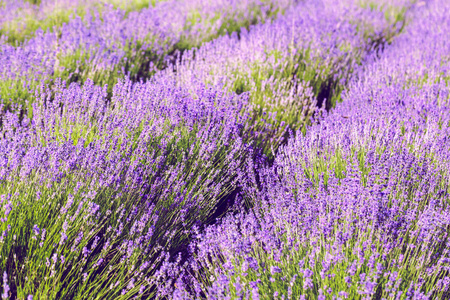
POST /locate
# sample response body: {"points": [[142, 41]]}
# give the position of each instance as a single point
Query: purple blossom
{"points": [[274, 270], [36, 229]]}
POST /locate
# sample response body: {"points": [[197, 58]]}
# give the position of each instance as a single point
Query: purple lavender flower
{"points": [[274, 270], [6, 289]]}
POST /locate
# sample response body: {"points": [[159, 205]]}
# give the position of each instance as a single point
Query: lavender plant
{"points": [[106, 192]]}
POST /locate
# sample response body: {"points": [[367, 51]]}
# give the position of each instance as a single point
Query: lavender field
{"points": [[225, 149]]}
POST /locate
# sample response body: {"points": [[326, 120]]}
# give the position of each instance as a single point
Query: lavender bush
{"points": [[292, 65], [108, 43], [105, 191]]}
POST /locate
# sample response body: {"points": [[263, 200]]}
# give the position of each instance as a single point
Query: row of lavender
{"points": [[294, 65], [20, 18], [101, 42], [358, 207], [103, 190]]}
